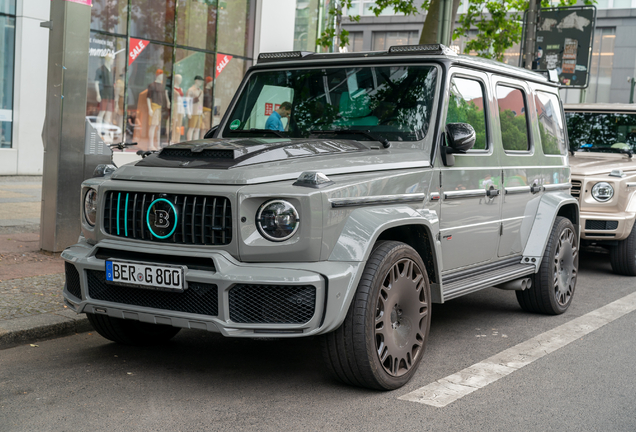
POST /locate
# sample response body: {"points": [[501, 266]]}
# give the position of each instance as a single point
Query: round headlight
{"points": [[602, 191], [277, 220], [90, 206]]}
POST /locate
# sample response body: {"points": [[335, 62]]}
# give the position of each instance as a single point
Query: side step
{"points": [[467, 281]]}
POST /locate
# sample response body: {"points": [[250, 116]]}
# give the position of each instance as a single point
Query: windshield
{"points": [[388, 102], [601, 132]]}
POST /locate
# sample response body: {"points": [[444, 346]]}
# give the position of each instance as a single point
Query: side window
{"points": [[466, 105], [550, 123], [512, 118]]}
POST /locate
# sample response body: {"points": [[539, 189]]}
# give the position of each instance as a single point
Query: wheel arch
{"points": [[419, 238], [551, 206]]}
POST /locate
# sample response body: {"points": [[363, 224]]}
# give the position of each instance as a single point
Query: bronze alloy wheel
{"points": [[382, 339], [565, 267], [400, 319], [555, 281]]}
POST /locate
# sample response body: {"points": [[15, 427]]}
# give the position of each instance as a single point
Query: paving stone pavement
{"points": [[31, 296], [31, 281]]}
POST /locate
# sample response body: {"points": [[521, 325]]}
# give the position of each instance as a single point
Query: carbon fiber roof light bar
{"points": [[422, 49], [284, 55]]}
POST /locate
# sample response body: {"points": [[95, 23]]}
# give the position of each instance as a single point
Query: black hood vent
{"points": [[181, 153]]}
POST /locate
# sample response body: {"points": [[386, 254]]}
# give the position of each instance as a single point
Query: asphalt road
{"points": [[202, 381]]}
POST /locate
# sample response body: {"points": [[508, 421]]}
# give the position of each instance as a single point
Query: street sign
{"points": [[564, 42]]}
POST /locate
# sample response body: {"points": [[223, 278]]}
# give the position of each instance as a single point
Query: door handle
{"points": [[492, 192]]}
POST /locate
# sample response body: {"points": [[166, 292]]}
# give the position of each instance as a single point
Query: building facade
{"points": [[159, 71]]}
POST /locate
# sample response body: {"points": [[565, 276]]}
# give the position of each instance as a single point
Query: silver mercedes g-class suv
{"points": [[341, 195]]}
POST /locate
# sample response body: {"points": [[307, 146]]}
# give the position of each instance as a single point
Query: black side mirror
{"points": [[460, 137]]}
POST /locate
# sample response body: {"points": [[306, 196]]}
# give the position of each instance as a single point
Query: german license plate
{"points": [[143, 275]]}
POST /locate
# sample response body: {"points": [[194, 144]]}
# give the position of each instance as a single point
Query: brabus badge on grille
{"points": [[161, 218]]}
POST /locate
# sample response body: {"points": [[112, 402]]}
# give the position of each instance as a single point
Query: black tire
{"points": [[129, 332], [623, 256], [553, 285], [381, 322]]}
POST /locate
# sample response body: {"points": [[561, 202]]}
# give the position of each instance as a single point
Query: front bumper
{"points": [[600, 227], [334, 284]]}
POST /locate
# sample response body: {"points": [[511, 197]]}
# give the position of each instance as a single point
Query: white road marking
{"points": [[447, 390]]}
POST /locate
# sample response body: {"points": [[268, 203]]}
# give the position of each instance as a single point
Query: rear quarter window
{"points": [[550, 123]]}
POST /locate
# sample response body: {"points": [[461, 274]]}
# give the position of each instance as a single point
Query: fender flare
{"points": [[547, 213], [365, 225]]}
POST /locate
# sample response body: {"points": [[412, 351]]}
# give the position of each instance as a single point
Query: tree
{"points": [[499, 22]]}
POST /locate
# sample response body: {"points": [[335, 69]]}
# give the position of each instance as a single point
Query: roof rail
{"points": [[283, 55], [422, 49]]}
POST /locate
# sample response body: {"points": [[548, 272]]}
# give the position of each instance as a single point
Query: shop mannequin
{"points": [[196, 94], [157, 96], [104, 90], [119, 100], [177, 115], [207, 106]]}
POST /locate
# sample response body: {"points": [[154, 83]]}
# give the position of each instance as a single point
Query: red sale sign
{"points": [[221, 61], [276, 107], [84, 2], [269, 108], [136, 47]]}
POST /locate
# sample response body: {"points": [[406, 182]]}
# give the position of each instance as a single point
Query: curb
{"points": [[29, 329]]}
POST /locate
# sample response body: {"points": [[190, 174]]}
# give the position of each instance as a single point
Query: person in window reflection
{"points": [[275, 120]]}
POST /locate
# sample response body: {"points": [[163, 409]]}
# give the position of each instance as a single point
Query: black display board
{"points": [[564, 42]]}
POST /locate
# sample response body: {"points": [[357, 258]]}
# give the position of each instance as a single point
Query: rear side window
{"points": [[466, 105], [550, 123], [512, 118]]}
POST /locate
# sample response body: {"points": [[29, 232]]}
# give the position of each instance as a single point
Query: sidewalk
{"points": [[31, 282]]}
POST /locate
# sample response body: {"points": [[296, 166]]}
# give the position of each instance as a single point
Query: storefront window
{"points": [[7, 47], [191, 117], [152, 19], [196, 24], [105, 93], [149, 86], [226, 85], [109, 16], [158, 72], [233, 27], [306, 25], [7, 7]]}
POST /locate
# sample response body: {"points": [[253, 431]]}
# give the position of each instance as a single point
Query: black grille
{"points": [[576, 188], [199, 298], [272, 304], [601, 225], [169, 153], [202, 220], [72, 280]]}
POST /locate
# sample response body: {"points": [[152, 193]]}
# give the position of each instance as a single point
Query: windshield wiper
{"points": [[367, 133], [271, 131]]}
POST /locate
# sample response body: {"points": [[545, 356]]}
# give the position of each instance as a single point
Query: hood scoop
{"points": [[195, 153], [225, 154]]}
